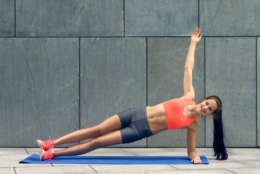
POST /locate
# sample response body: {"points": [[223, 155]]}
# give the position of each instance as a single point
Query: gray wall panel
{"points": [[113, 78], [231, 74], [166, 60], [160, 17], [230, 17], [69, 18], [6, 17], [39, 90]]}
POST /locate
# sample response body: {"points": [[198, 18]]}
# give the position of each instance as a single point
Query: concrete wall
{"points": [[66, 65]]}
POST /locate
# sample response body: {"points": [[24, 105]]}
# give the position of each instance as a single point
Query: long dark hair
{"points": [[218, 142]]}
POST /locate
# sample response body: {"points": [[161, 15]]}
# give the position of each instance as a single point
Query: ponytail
{"points": [[218, 142]]}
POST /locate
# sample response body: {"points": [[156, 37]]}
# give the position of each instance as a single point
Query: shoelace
{"points": [[48, 155], [46, 145]]}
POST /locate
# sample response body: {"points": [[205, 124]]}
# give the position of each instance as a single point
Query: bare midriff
{"points": [[156, 118]]}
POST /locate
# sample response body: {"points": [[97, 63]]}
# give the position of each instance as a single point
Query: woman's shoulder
{"points": [[185, 99]]}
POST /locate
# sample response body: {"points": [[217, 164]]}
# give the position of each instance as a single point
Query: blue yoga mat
{"points": [[35, 158]]}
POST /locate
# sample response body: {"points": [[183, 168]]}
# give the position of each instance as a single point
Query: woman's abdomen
{"points": [[156, 118]]}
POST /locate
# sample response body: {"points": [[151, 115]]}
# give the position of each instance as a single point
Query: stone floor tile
{"points": [[244, 157], [246, 170], [251, 163], [123, 172], [213, 164], [12, 160], [10, 151], [207, 171], [137, 168], [244, 151], [7, 171], [55, 170]]}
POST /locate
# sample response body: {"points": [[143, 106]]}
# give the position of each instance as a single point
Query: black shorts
{"points": [[134, 124]]}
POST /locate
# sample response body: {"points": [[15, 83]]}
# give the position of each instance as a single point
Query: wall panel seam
{"points": [[14, 18], [205, 123], [124, 17], [146, 41], [94, 37], [256, 97], [198, 12], [79, 112]]}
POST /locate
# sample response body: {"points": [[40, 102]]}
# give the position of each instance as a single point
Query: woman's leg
{"points": [[110, 124], [102, 141]]}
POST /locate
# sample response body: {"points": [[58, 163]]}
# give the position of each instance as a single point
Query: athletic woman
{"points": [[136, 123]]}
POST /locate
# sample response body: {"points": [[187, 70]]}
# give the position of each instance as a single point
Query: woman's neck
{"points": [[193, 111]]}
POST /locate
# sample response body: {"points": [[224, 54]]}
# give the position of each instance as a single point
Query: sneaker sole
{"points": [[39, 142], [41, 154]]}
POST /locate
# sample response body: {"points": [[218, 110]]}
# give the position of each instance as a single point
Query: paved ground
{"points": [[241, 161]]}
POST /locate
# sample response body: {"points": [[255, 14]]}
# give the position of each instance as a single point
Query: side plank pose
{"points": [[136, 123]]}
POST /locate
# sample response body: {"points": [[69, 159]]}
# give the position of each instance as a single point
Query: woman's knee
{"points": [[109, 139], [110, 124], [95, 143], [96, 131]]}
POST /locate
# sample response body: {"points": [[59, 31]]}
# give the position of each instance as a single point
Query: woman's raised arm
{"points": [[188, 68]]}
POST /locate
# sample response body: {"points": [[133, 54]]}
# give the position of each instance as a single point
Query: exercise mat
{"points": [[35, 159]]}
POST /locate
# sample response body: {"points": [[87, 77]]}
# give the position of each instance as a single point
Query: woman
{"points": [[134, 124]]}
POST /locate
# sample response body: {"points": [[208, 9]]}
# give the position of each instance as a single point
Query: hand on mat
{"points": [[196, 36], [196, 159]]}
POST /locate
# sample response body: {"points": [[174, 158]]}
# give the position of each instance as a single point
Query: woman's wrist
{"points": [[193, 42], [192, 154]]}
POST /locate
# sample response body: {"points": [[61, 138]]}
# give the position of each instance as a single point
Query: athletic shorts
{"points": [[134, 124]]}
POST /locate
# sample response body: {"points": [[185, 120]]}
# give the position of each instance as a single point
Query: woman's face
{"points": [[207, 107]]}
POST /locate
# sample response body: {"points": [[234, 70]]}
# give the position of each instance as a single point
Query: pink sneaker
{"points": [[45, 145], [46, 155]]}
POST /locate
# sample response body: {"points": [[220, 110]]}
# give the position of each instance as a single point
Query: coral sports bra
{"points": [[174, 116]]}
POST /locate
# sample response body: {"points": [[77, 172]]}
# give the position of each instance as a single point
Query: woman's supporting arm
{"points": [[191, 143]]}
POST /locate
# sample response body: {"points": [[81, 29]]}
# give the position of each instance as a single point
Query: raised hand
{"points": [[196, 36]]}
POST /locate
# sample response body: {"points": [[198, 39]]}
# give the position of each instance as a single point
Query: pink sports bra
{"points": [[174, 116]]}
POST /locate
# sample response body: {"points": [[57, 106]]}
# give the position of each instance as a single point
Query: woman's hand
{"points": [[195, 159], [196, 36]]}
